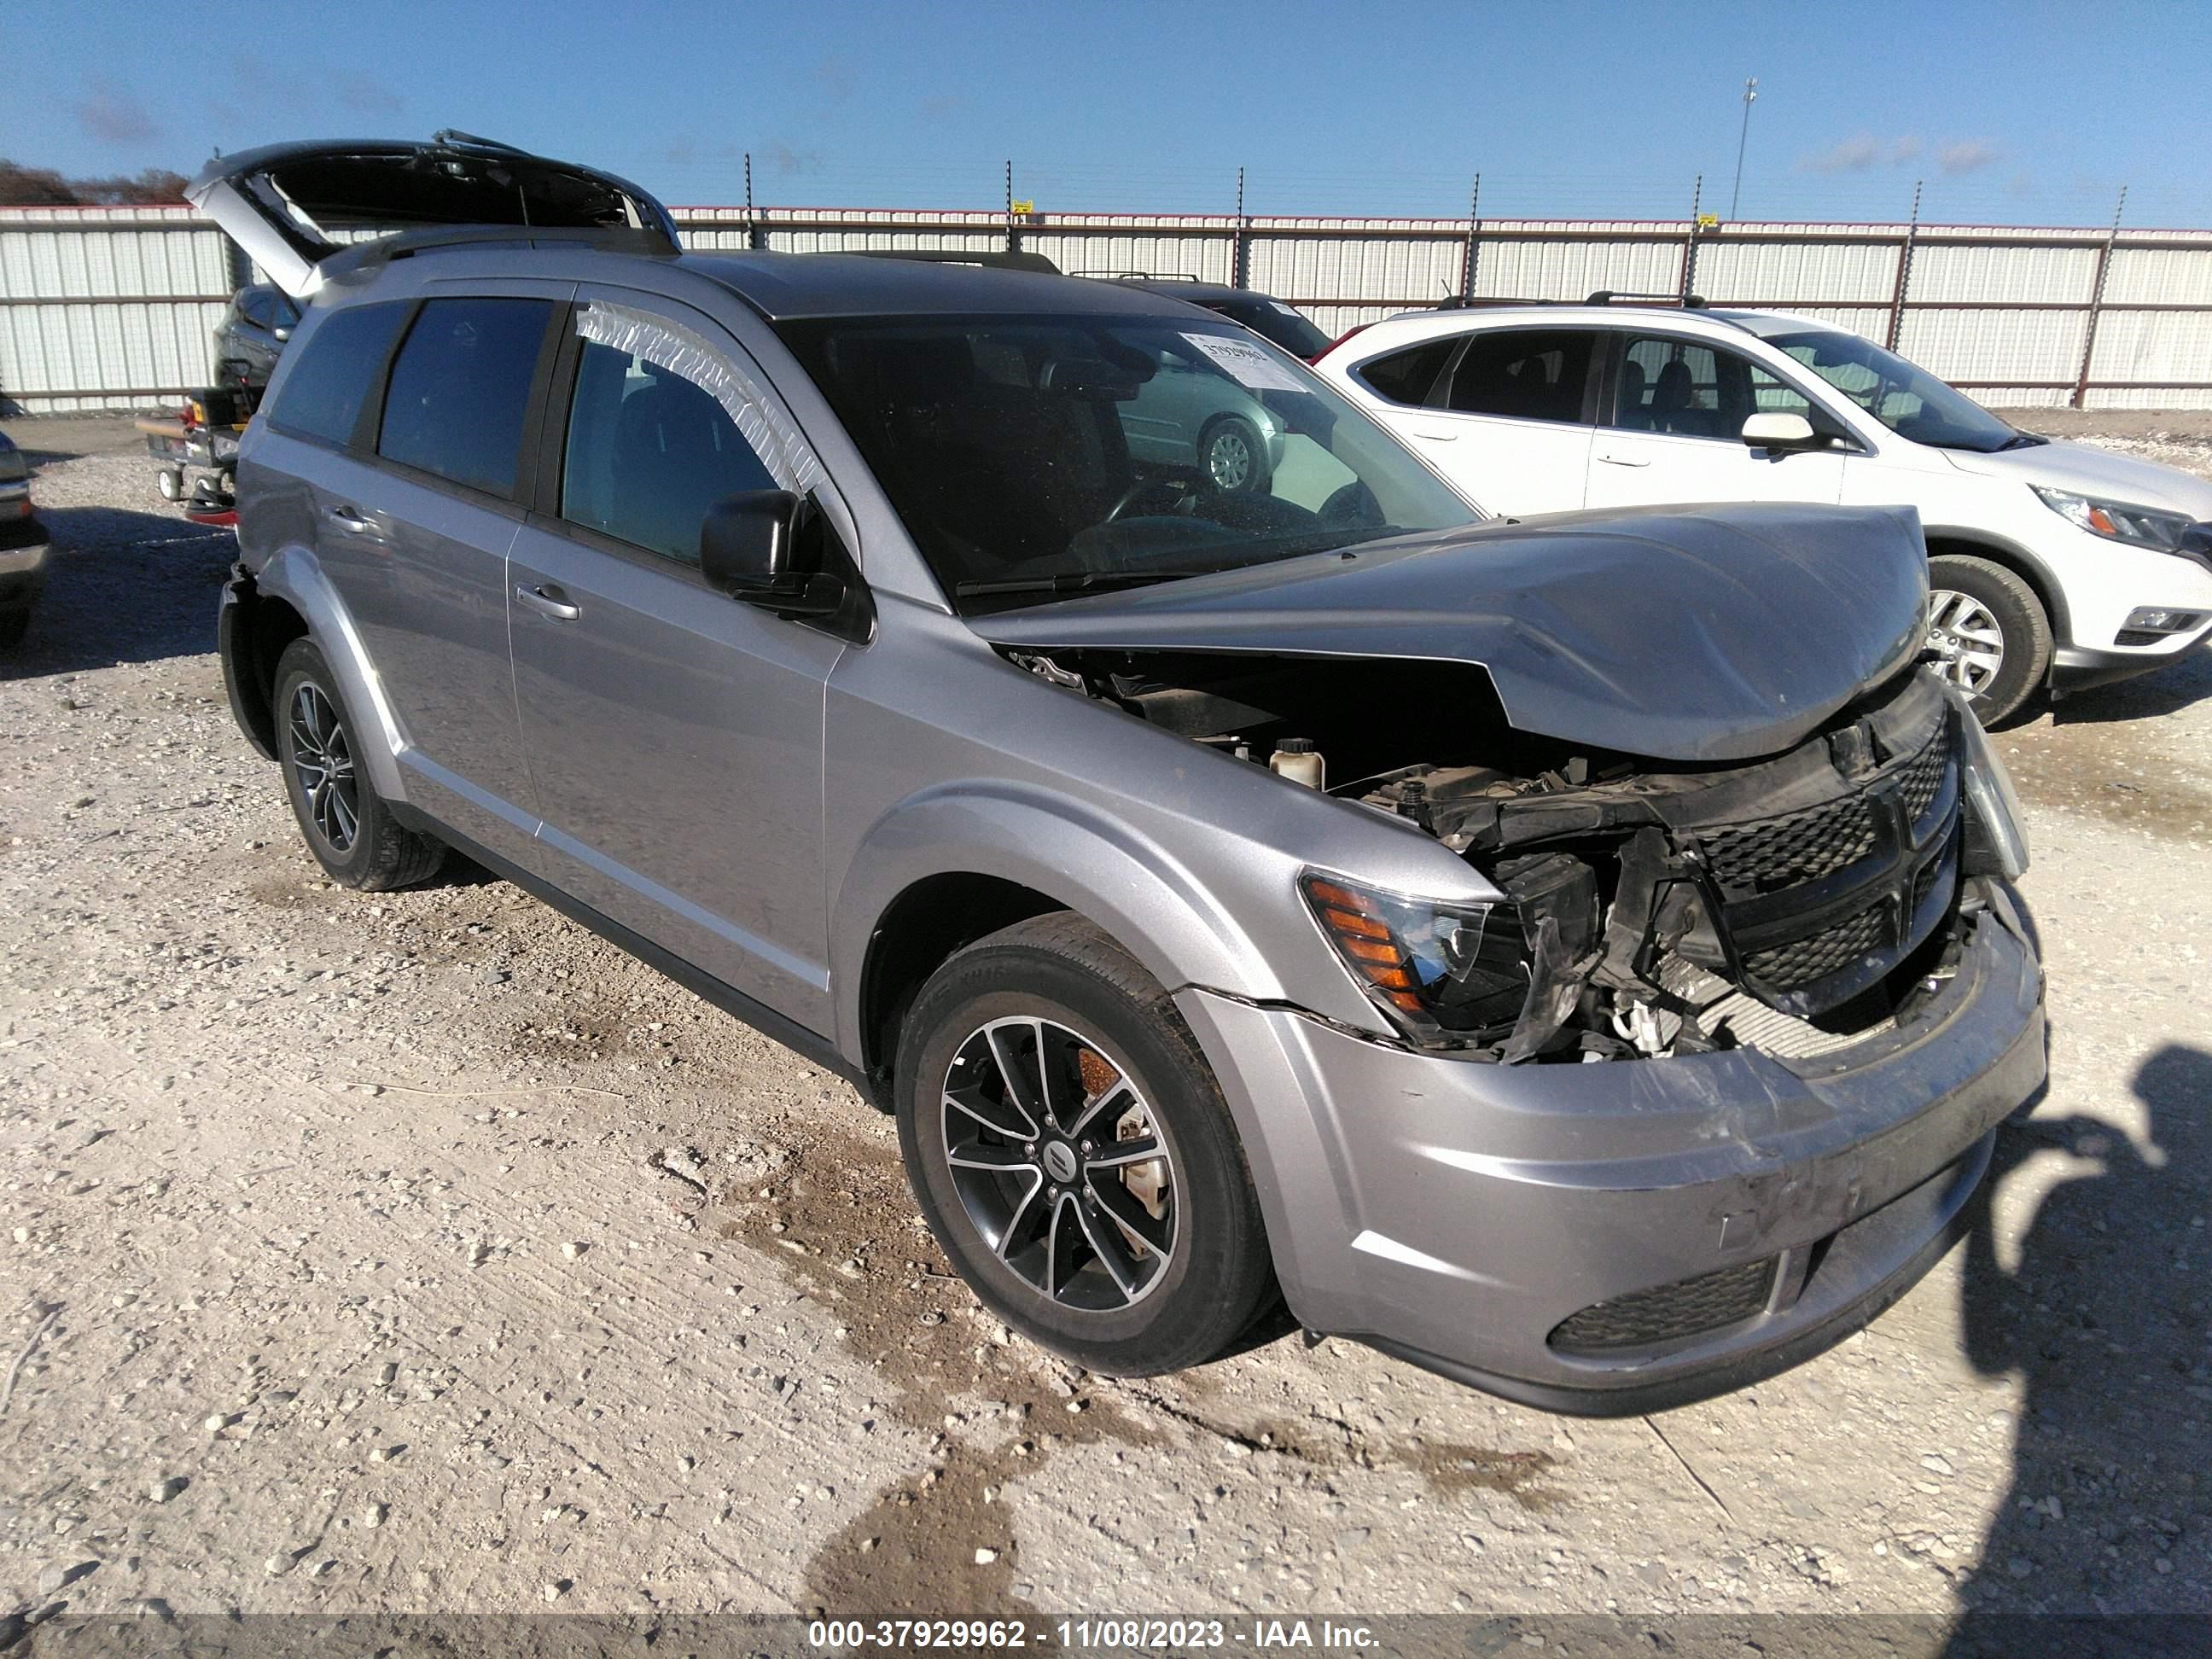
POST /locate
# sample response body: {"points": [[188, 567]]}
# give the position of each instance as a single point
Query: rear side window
{"points": [[323, 394], [1408, 376], [461, 389], [1531, 374], [649, 452]]}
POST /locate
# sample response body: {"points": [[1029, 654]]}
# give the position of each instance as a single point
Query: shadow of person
{"points": [[2104, 1320]]}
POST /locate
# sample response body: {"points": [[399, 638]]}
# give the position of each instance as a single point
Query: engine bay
{"points": [[1795, 904]]}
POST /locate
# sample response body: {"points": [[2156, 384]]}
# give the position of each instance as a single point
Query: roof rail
{"points": [[1606, 296], [953, 256], [1473, 302], [1138, 276], [382, 250]]}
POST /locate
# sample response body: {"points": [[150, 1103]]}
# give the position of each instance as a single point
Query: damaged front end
{"points": [[1793, 905]]}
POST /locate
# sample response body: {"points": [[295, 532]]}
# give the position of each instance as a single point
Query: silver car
{"points": [[1522, 946]]}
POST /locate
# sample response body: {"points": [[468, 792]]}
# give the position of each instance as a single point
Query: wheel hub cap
{"points": [[1059, 1163], [1967, 640]]}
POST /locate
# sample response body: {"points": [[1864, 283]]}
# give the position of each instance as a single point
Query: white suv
{"points": [[2050, 562]]}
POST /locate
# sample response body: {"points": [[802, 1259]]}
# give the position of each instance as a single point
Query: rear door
{"points": [[1510, 422], [1672, 428], [674, 734], [413, 527]]}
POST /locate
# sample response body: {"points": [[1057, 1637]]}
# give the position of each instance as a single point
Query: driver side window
{"points": [[649, 452]]}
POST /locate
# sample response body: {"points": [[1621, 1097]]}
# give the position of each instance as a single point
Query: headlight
{"points": [[2116, 521], [1437, 969], [1995, 838]]}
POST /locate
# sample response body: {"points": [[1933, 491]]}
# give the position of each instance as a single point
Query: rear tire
{"points": [[1978, 609], [347, 825], [1233, 457], [1126, 1264]]}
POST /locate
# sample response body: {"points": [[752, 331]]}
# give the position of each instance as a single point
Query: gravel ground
{"points": [[420, 1252]]}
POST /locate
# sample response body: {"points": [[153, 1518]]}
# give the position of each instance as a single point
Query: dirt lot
{"points": [[421, 1252]]}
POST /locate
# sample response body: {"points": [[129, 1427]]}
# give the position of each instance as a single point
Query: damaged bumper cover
{"points": [[1611, 1239]]}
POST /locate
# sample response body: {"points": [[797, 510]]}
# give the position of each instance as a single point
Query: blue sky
{"points": [[2018, 113]]}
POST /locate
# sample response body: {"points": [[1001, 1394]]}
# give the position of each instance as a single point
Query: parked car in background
{"points": [[23, 545], [2050, 563], [251, 335], [1265, 316], [1506, 944]]}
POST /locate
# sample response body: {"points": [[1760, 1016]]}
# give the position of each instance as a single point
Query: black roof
{"points": [[788, 285]]}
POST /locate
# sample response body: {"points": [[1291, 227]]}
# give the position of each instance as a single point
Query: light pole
{"points": [[1750, 97]]}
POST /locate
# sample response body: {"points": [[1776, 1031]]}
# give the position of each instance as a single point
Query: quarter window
{"points": [[1530, 374], [461, 389], [324, 390], [649, 452]]}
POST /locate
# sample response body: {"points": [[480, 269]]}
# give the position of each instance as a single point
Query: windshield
{"points": [[1037, 456], [1910, 402]]}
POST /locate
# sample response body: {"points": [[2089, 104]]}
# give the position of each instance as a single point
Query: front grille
{"points": [[1922, 779], [1686, 1308], [1797, 847], [1813, 957]]}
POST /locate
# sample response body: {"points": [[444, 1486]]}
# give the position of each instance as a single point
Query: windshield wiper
{"points": [[2023, 440], [1071, 582]]}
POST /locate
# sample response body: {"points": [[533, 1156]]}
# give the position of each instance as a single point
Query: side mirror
{"points": [[748, 549], [1780, 431]]}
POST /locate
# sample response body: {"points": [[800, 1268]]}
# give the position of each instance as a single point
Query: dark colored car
{"points": [[1265, 316], [22, 544], [251, 334]]}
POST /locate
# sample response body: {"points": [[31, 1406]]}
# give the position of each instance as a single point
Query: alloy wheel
{"points": [[322, 756], [1229, 459], [1968, 642], [1060, 1164]]}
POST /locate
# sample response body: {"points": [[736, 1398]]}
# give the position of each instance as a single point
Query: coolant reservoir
{"points": [[1296, 759]]}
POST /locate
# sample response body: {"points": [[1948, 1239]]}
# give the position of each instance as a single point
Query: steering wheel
{"points": [[1135, 493]]}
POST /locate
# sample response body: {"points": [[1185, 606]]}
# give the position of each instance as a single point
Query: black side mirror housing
{"points": [[747, 548]]}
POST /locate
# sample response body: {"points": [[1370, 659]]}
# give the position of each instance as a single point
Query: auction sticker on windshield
{"points": [[1247, 364]]}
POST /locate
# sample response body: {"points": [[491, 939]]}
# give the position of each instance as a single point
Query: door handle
{"points": [[550, 600], [347, 519], [1436, 437], [1621, 461]]}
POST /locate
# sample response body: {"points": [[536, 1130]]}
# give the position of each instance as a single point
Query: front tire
{"points": [[347, 825], [1072, 1152], [1990, 632]]}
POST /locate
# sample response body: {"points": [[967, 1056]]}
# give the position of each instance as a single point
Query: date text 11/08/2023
{"points": [[1079, 1634]]}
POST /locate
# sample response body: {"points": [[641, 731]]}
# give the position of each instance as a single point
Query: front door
{"points": [[1673, 424], [674, 734]]}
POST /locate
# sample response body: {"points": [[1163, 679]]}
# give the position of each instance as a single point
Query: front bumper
{"points": [[1455, 1213], [23, 552], [2077, 668]]}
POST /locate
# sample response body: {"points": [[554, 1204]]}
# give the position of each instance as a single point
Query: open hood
{"points": [[291, 206], [1692, 634]]}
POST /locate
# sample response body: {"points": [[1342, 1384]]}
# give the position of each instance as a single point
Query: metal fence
{"points": [[110, 307]]}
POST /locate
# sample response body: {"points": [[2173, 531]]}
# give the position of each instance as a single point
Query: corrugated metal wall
{"points": [[110, 307]]}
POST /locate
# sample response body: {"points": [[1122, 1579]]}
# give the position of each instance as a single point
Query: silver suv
{"points": [[1526, 947]]}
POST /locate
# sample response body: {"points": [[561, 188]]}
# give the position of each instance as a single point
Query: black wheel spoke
{"points": [[1019, 1078], [1112, 1250], [1121, 1153], [1031, 1213], [983, 1155], [1000, 1117], [1116, 1092], [1118, 1201]]}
